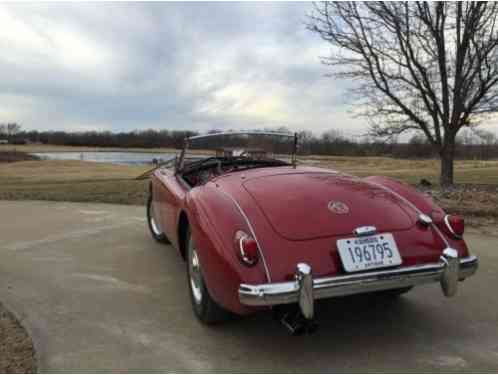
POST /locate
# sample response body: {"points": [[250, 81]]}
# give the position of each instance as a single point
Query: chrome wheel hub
{"points": [[153, 220], [195, 273]]}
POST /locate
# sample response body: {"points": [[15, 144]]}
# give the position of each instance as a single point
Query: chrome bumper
{"points": [[304, 290]]}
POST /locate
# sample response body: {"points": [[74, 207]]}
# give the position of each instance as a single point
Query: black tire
{"points": [[154, 228], [205, 308], [394, 293]]}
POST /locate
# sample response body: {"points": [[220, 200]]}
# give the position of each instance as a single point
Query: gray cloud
{"points": [[124, 66]]}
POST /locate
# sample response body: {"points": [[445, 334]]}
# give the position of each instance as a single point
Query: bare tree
{"points": [[428, 67]]}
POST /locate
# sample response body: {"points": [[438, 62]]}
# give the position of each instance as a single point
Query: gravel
{"points": [[17, 354]]}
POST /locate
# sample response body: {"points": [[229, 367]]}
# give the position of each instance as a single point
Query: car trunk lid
{"points": [[304, 206]]}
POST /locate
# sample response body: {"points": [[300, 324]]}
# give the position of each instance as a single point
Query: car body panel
{"points": [[307, 231], [300, 206]]}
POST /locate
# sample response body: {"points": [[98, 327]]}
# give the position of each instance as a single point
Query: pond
{"points": [[115, 157]]}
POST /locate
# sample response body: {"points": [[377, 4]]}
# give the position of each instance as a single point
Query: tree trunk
{"points": [[447, 155]]}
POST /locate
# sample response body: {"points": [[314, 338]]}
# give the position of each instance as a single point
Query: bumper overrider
{"points": [[304, 289]]}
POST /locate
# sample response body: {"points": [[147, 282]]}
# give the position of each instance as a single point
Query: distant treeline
{"points": [[470, 145], [142, 138]]}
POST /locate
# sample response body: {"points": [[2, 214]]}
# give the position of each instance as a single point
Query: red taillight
{"points": [[455, 225], [247, 248]]}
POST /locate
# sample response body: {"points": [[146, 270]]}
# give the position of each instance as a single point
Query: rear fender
{"points": [[422, 201], [425, 204], [214, 219]]}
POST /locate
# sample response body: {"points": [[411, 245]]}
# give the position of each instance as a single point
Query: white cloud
{"points": [[199, 66]]}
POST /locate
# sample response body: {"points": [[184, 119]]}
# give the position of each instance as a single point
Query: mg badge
{"points": [[338, 207]]}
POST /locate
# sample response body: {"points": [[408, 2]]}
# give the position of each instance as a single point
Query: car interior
{"points": [[201, 171]]}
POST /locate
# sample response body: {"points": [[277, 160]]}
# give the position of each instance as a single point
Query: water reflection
{"points": [[129, 158]]}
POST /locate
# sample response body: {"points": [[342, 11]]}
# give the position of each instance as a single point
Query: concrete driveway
{"points": [[98, 294]]}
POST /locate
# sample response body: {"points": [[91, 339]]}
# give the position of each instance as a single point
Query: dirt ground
{"points": [[17, 354]]}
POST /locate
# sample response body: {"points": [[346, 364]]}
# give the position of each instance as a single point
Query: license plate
{"points": [[364, 253]]}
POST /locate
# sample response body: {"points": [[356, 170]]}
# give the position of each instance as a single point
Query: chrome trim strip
{"points": [[425, 219], [281, 134], [448, 225], [365, 231], [183, 182], [468, 266], [288, 292], [253, 233], [243, 254]]}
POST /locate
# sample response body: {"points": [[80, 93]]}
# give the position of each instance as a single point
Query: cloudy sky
{"points": [[126, 66]]}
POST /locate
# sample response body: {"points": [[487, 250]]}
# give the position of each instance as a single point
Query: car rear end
{"points": [[324, 235]]}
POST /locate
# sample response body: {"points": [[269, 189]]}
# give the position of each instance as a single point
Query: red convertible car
{"points": [[258, 232]]}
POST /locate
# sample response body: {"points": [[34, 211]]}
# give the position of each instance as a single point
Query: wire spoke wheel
{"points": [[205, 308], [154, 221], [196, 282]]}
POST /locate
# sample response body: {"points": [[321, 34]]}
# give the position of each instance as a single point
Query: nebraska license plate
{"points": [[364, 253]]}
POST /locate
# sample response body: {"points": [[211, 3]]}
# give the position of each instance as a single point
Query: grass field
{"points": [[478, 198], [99, 182], [72, 181], [466, 171]]}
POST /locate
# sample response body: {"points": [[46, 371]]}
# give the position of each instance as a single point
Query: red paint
{"points": [[288, 209], [455, 225]]}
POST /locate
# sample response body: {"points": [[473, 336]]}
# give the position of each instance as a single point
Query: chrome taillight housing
{"points": [[246, 248], [454, 225]]}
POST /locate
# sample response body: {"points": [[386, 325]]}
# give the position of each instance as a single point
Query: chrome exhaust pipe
{"points": [[298, 319], [292, 319]]}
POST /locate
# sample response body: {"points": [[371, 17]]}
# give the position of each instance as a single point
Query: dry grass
{"points": [[466, 171], [477, 195], [469, 201], [99, 182], [72, 180]]}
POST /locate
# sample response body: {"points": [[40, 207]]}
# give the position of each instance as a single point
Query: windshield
{"points": [[212, 155]]}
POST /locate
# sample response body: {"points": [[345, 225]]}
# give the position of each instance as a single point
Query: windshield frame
{"points": [[180, 164]]}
